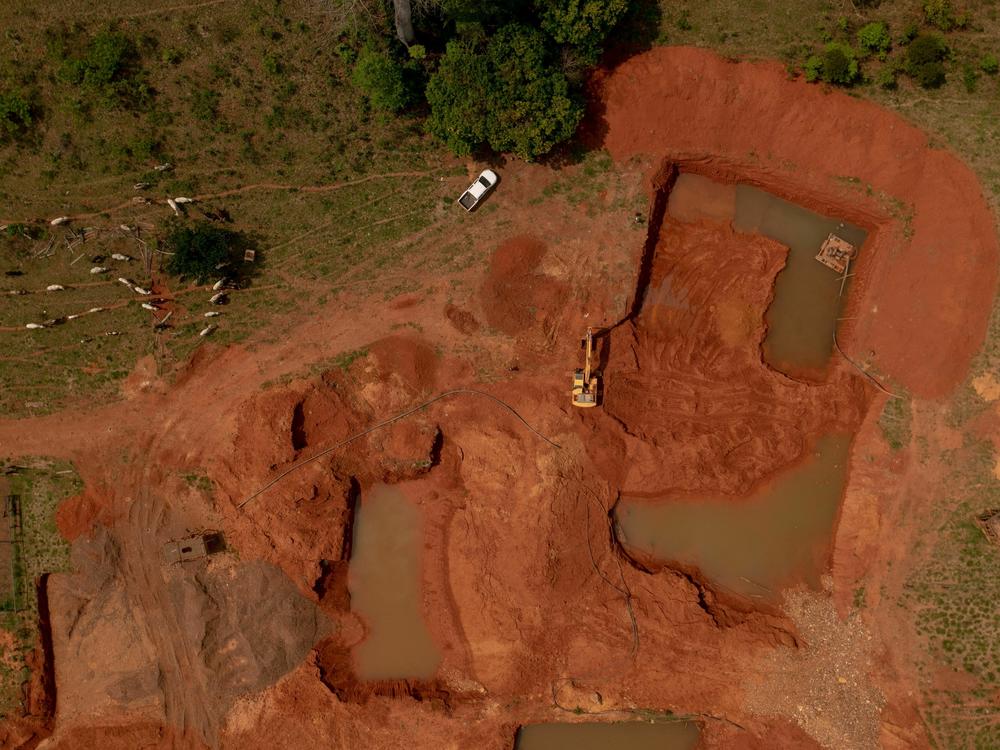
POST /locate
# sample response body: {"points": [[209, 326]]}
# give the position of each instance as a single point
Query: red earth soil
{"points": [[515, 296], [924, 302], [522, 579]]}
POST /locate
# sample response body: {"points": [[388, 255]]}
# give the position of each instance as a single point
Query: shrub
{"points": [[837, 64], [886, 77], [924, 60], [989, 64], [171, 56], [381, 78], [110, 71], [813, 68], [205, 104], [929, 75], [939, 13], [15, 115], [970, 76], [200, 248], [910, 32], [874, 39]]}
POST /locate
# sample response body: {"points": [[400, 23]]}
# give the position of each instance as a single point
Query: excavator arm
{"points": [[585, 381]]}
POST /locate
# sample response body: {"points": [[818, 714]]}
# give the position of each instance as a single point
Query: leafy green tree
{"points": [[989, 64], [582, 23], [383, 80], [15, 115], [925, 60], [874, 39], [200, 248], [530, 105], [457, 94]]}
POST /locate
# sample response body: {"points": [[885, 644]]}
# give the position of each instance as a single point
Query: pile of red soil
{"points": [[515, 296], [463, 321], [924, 302], [411, 360]]}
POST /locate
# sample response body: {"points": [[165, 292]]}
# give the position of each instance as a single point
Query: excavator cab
{"points": [[586, 381]]}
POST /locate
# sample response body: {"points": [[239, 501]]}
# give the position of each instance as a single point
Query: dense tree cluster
{"points": [[501, 75]]}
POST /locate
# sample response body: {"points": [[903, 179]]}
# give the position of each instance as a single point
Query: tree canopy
{"points": [[457, 94], [583, 23], [507, 75], [15, 115], [109, 69], [530, 105], [199, 249]]}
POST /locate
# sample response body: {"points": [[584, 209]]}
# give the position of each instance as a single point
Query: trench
{"points": [[47, 704]]}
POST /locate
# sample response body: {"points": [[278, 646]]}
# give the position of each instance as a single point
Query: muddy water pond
{"points": [[779, 535], [628, 735], [385, 585], [808, 298]]}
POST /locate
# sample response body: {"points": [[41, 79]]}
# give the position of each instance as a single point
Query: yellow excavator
{"points": [[586, 381]]}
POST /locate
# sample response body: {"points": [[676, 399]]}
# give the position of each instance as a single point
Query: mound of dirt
{"points": [[463, 321], [412, 361], [252, 625], [78, 514], [937, 240], [514, 295], [235, 628]]}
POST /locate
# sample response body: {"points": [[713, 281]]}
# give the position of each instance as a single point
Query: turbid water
{"points": [[629, 735], [808, 296], [779, 535], [385, 586], [802, 318]]}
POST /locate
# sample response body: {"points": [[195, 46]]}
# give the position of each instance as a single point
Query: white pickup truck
{"points": [[478, 189]]}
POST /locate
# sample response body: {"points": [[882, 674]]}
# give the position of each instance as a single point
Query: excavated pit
{"points": [[705, 421]]}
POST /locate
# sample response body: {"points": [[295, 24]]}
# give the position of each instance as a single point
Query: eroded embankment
{"points": [[938, 247]]}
